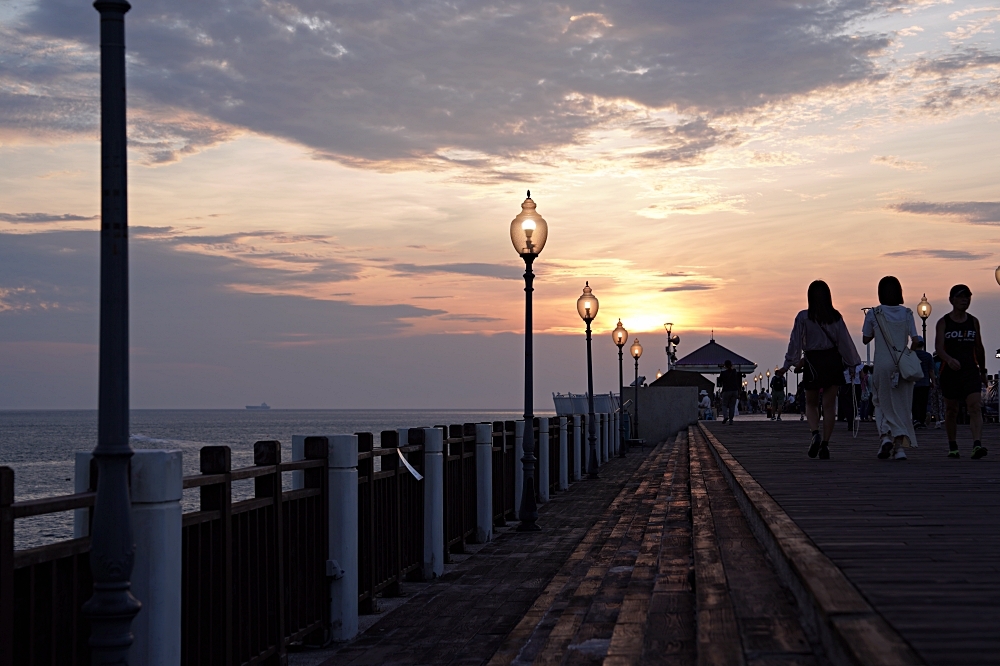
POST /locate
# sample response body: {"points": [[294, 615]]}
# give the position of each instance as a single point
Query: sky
{"points": [[320, 193]]}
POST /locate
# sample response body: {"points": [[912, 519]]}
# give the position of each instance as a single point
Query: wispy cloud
{"points": [[939, 254], [896, 162], [478, 269], [972, 212], [694, 286], [44, 218]]}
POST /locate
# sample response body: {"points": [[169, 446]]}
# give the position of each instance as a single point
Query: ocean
{"points": [[40, 445]]}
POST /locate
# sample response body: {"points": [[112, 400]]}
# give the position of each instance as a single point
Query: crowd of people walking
{"points": [[903, 384]]}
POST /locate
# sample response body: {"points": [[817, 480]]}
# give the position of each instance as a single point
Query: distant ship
{"points": [[259, 407]]}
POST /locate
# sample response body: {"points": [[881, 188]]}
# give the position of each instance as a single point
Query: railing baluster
{"points": [[269, 453], [366, 525], [218, 497], [6, 567]]}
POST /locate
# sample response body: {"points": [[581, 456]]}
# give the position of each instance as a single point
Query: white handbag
{"points": [[907, 362]]}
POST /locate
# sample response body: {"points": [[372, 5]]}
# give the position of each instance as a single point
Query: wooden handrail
{"points": [[46, 505]]}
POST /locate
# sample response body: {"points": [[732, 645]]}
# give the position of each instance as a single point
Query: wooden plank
{"points": [[718, 635]]}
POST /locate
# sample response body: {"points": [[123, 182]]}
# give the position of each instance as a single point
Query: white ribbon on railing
{"points": [[415, 473]]}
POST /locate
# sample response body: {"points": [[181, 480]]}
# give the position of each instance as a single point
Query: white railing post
{"points": [[542, 448], [157, 482], [433, 503], [606, 437], [577, 449], [342, 565], [81, 484], [157, 486], [518, 465], [563, 455], [484, 482], [616, 437]]}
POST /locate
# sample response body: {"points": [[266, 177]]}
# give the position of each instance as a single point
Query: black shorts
{"points": [[958, 385], [823, 368]]}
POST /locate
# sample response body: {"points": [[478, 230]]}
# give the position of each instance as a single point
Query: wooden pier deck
{"points": [[852, 560], [919, 538]]}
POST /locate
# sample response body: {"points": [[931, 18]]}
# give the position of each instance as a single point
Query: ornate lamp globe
{"points": [[587, 304], [924, 308], [528, 231], [659, 373], [635, 349], [620, 335]]}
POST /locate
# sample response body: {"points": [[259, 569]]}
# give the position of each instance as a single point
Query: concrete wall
{"points": [[664, 410]]}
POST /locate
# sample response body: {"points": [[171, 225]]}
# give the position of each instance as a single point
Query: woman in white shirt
{"points": [[820, 341], [891, 326]]}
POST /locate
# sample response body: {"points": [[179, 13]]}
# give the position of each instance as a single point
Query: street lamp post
{"points": [[528, 233], [924, 311], [620, 336], [587, 306], [112, 549], [636, 351], [672, 342]]}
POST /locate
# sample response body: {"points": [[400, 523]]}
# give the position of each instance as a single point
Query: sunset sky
{"points": [[320, 192]]}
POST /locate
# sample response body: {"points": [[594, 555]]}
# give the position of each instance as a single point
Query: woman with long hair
{"points": [[821, 343], [891, 326]]}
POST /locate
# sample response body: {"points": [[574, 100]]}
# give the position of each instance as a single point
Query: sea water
{"points": [[40, 446]]}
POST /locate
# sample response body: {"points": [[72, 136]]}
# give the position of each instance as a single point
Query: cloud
{"points": [[939, 254], [42, 218], [971, 212], [694, 286], [183, 303], [478, 269], [470, 318], [957, 61], [468, 84], [896, 162]]}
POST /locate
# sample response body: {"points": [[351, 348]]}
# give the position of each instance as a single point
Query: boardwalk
{"points": [[660, 562], [919, 538]]}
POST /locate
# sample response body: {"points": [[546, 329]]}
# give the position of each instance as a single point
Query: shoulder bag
{"points": [[907, 362]]}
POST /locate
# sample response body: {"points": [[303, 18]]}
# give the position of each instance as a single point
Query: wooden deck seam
{"points": [[831, 607]]}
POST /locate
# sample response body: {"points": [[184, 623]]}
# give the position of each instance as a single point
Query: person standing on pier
{"points": [[922, 388], [959, 344], [777, 395], [891, 326], [820, 341], [730, 381]]}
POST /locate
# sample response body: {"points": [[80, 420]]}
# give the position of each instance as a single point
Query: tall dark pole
{"points": [[112, 549], [591, 426], [925, 331], [636, 427], [621, 399], [528, 512]]}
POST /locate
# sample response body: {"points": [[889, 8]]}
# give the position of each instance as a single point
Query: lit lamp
{"points": [[672, 342], [659, 373], [636, 351], [924, 311], [620, 336], [528, 233], [586, 307]]}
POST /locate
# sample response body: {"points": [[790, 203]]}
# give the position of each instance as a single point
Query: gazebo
{"points": [[710, 359]]}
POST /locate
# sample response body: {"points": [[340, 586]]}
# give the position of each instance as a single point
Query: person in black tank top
{"points": [[959, 344]]}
